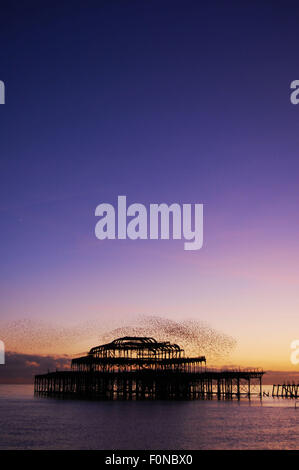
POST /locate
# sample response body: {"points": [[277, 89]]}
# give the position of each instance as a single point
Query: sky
{"points": [[169, 102]]}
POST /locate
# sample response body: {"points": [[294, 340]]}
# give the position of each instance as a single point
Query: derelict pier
{"points": [[138, 368]]}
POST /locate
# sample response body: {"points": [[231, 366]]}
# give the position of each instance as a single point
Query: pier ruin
{"points": [[286, 390], [137, 368]]}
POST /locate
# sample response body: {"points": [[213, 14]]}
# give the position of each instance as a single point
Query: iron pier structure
{"points": [[137, 368], [286, 390]]}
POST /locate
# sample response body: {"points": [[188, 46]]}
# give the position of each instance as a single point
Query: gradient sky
{"points": [[164, 102]]}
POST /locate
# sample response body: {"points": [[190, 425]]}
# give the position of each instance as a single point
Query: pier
{"points": [[286, 390], [138, 368]]}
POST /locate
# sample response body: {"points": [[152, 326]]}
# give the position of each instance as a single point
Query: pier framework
{"points": [[286, 390], [142, 368]]}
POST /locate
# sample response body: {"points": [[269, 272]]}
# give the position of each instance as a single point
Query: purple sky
{"points": [[163, 102]]}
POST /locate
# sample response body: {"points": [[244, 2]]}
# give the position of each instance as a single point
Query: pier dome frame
{"points": [[131, 353]]}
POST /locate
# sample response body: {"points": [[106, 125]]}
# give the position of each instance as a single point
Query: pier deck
{"points": [[150, 384]]}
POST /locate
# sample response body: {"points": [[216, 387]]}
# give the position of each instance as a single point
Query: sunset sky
{"points": [[162, 104]]}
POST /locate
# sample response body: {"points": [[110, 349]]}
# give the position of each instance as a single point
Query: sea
{"points": [[30, 422]]}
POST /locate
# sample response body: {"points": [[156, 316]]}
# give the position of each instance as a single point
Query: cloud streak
{"points": [[21, 368]]}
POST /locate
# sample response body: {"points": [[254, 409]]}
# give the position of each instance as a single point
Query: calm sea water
{"points": [[28, 422]]}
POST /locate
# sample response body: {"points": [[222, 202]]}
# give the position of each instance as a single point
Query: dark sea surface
{"points": [[28, 422]]}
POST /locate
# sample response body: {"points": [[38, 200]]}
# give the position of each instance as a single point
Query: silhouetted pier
{"points": [[286, 390], [136, 368]]}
